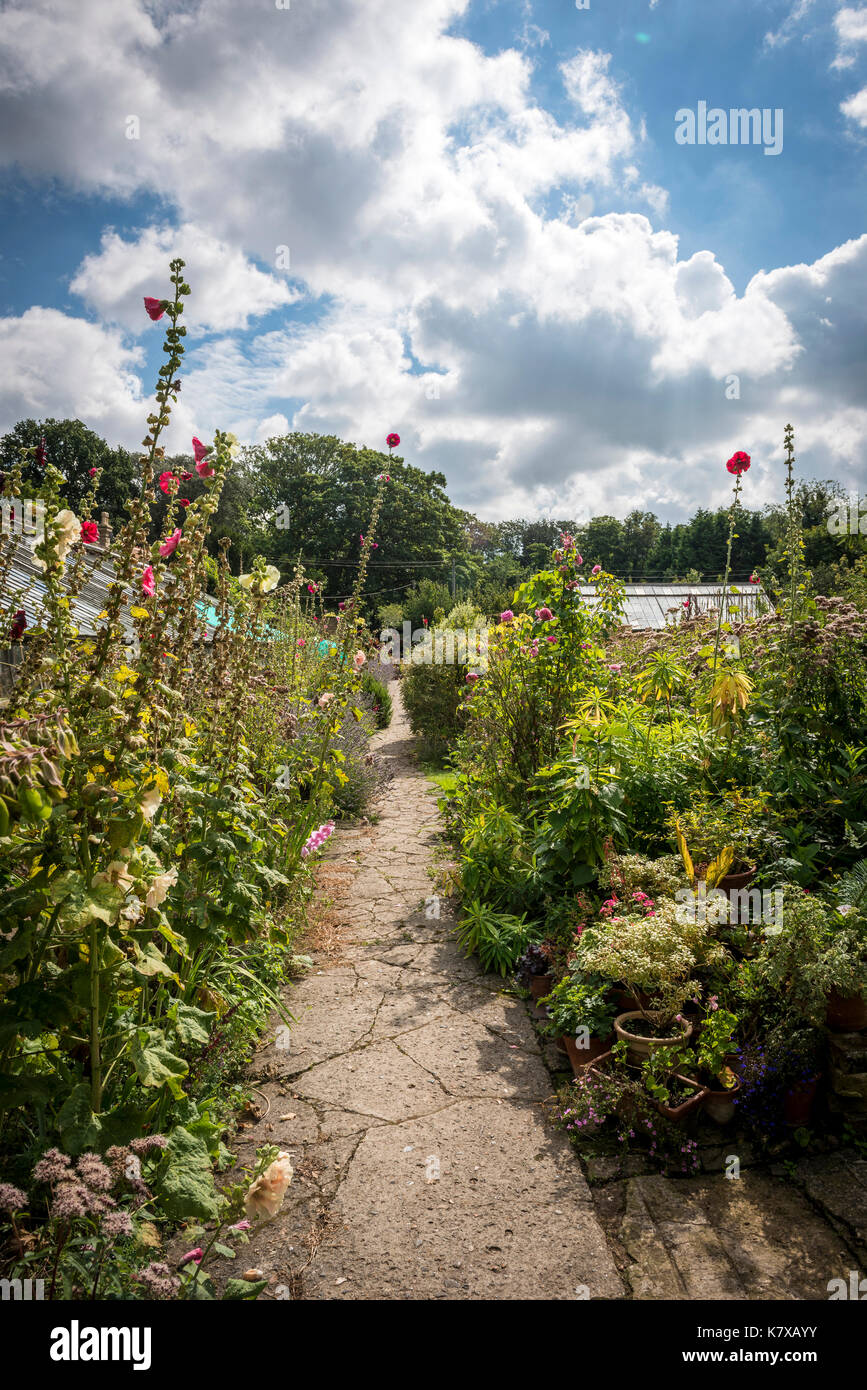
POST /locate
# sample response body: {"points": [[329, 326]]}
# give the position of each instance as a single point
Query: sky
{"points": [[478, 223]]}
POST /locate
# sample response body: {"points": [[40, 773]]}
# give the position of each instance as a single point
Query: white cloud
{"points": [[229, 290], [856, 107], [851, 28]]}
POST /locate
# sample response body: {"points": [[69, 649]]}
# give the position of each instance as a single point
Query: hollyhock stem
{"points": [[732, 521]]}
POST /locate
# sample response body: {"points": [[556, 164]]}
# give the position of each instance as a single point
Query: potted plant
{"points": [[580, 1012], [710, 827], [674, 1093], [654, 954], [717, 1061], [533, 971]]}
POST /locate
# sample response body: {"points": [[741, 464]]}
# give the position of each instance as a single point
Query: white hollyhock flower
{"points": [[265, 1195]]}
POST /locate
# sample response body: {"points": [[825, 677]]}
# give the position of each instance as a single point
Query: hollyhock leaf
{"points": [[185, 1182], [238, 1290], [154, 1062]]}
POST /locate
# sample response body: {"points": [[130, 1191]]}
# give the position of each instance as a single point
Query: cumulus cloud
{"points": [[229, 290], [466, 283]]}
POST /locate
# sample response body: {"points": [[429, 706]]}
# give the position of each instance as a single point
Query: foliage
{"points": [[499, 939], [380, 700], [581, 1001]]}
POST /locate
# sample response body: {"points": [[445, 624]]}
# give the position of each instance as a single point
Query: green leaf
{"points": [[185, 1182], [191, 1025], [244, 1289], [153, 1060], [149, 962], [80, 1128], [225, 1250]]}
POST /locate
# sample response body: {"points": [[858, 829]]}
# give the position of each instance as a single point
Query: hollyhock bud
{"points": [[155, 308], [170, 545], [148, 586], [183, 501], [89, 532]]}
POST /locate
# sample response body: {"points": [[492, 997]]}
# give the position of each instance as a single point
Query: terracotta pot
{"points": [[639, 1046], [846, 1015], [627, 1002], [680, 1112], [581, 1057], [739, 880], [540, 985], [719, 1105], [799, 1101]]}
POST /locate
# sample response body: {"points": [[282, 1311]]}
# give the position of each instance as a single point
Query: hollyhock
{"points": [[597, 569], [325, 699], [738, 463], [41, 456], [19, 625], [183, 501], [616, 667], [507, 616], [165, 481], [579, 559], [383, 477], [265, 1196], [200, 449], [312, 588], [301, 642], [359, 660], [170, 545], [148, 586], [544, 615], [185, 477], [204, 469], [89, 532], [92, 472], [159, 888], [155, 308], [150, 803], [393, 440], [260, 583], [195, 1256], [551, 638], [754, 579]]}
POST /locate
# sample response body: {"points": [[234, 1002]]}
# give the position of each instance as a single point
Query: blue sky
{"points": [[497, 246]]}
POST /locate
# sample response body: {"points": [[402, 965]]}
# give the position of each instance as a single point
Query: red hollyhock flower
{"points": [[186, 477], [165, 481], [19, 623], [89, 532], [738, 463], [204, 469], [154, 307], [41, 456], [200, 449], [393, 440], [92, 472], [183, 501]]}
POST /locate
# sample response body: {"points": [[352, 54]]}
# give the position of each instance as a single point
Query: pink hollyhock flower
{"points": [[170, 544], [241, 1226], [393, 440], [165, 480], [507, 616], [204, 469], [312, 588], [301, 642], [155, 308], [424, 620], [471, 676], [544, 615], [19, 625], [738, 463], [754, 579], [194, 1255], [148, 585], [89, 532], [200, 449], [551, 638], [92, 472], [341, 606], [183, 501], [186, 477], [579, 559], [597, 569], [359, 659], [617, 666]]}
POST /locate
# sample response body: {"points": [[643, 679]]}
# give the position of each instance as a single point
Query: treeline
{"points": [[305, 497]]}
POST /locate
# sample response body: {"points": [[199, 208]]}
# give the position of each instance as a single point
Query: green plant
{"points": [[580, 1001], [499, 939], [379, 698], [716, 1041]]}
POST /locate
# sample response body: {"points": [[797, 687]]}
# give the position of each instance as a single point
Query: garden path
{"points": [[411, 1095]]}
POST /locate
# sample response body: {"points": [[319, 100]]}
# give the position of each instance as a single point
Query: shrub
{"points": [[432, 697], [378, 698]]}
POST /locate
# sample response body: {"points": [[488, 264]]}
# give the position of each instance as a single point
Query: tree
{"points": [[74, 449]]}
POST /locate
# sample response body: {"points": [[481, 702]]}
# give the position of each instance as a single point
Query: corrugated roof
{"points": [[24, 585], [658, 605]]}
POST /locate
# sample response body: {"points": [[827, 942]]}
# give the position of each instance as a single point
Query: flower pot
{"points": [[540, 985], [846, 1015], [626, 1002], [641, 1047], [581, 1057], [719, 1104], [728, 882], [680, 1111], [799, 1101]]}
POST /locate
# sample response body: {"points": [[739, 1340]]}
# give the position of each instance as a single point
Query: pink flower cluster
{"points": [[644, 902], [318, 838]]}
